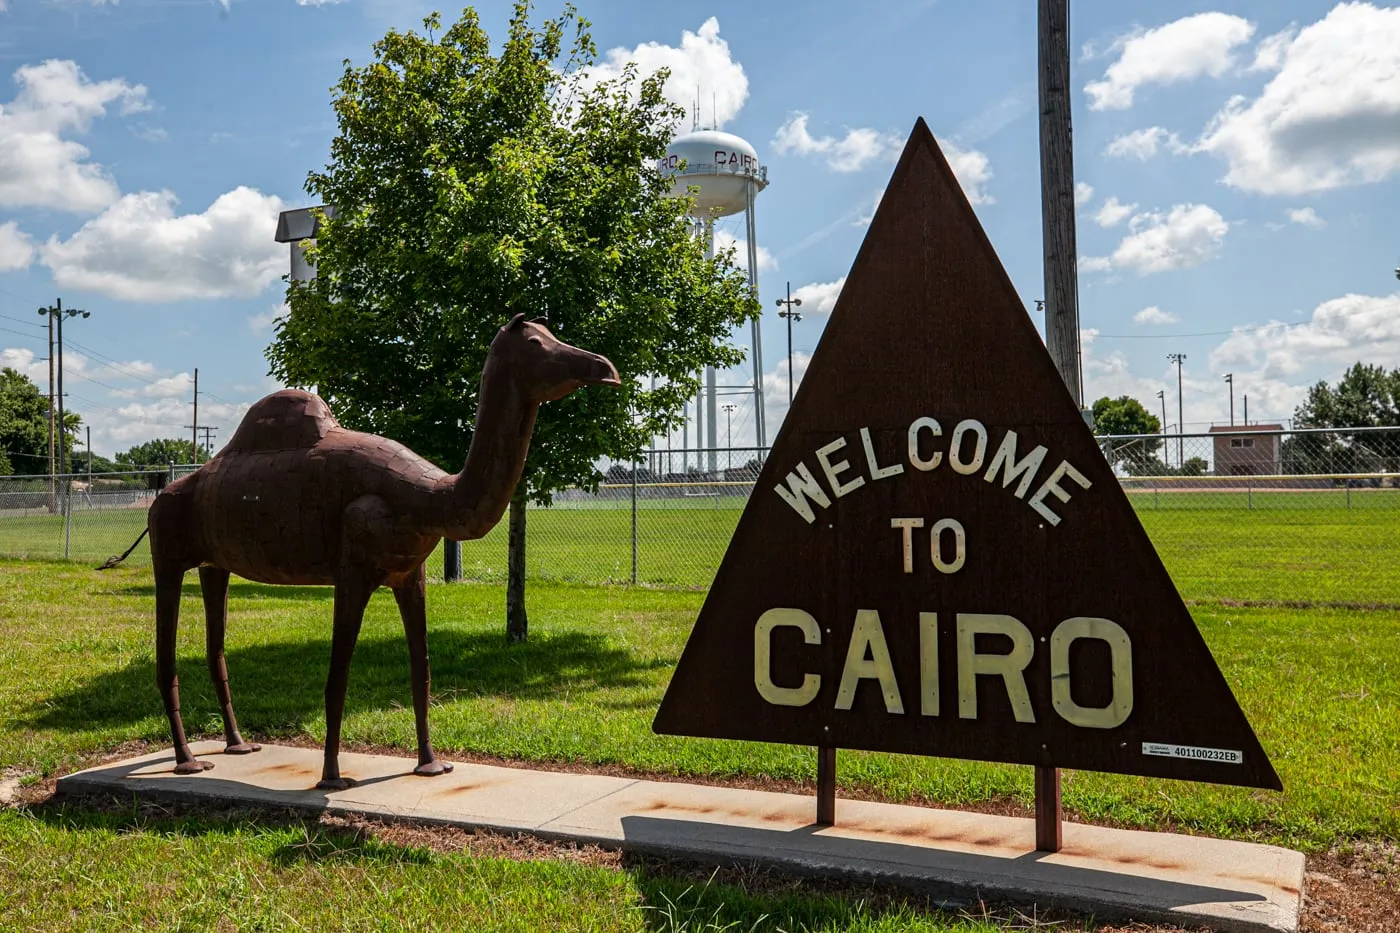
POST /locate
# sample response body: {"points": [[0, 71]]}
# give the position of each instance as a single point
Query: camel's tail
{"points": [[114, 560]]}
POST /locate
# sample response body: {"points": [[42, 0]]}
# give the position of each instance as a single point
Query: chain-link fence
{"points": [[83, 517], [1256, 514]]}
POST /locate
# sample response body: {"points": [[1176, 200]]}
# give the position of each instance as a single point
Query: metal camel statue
{"points": [[294, 498]]}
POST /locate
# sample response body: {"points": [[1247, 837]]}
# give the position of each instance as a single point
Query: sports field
{"points": [[1329, 546]]}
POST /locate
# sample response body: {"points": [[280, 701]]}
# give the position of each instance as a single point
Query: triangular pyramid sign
{"points": [[937, 558]]}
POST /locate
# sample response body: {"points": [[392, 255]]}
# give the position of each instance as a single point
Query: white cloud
{"points": [[775, 388], [1306, 216], [1154, 315], [973, 170], [724, 240], [864, 219], [1095, 263], [16, 249], [318, 2], [1203, 44], [262, 323], [1340, 332], [1143, 144], [1083, 194], [819, 297], [701, 64], [1113, 212], [140, 250], [1268, 55], [1329, 117], [1185, 236], [39, 167], [850, 153]]}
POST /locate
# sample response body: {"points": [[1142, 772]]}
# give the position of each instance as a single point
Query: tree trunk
{"points": [[517, 624]]}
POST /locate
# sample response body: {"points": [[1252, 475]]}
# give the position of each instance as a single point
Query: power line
{"points": [[20, 320], [1208, 333]]}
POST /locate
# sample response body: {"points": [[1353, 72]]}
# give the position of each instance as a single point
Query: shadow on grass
{"points": [[236, 590], [280, 686]]}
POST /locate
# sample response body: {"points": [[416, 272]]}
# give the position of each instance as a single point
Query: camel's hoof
{"points": [[242, 748], [193, 767], [341, 783], [433, 768]]}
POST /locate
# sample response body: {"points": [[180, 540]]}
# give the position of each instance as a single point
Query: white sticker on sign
{"points": [[1223, 755]]}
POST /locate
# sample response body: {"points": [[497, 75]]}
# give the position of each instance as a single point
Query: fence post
{"points": [[634, 522], [67, 515]]}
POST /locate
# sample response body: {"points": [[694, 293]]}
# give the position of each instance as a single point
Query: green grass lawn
{"points": [[1321, 687], [74, 870]]}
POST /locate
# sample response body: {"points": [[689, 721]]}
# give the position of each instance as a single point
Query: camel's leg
{"points": [[352, 593], [411, 597], [168, 581], [213, 583]]}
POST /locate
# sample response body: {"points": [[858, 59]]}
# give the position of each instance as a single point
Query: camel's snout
{"points": [[604, 372]]}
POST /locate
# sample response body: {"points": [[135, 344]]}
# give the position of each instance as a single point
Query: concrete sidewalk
{"points": [[1110, 873]]}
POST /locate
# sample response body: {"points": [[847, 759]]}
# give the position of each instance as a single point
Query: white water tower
{"points": [[727, 175]]}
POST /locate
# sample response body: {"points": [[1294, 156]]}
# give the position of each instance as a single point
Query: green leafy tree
{"points": [[160, 453], [1365, 397], [24, 425], [471, 186], [1123, 416]]}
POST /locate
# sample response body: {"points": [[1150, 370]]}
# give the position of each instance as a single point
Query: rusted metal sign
{"points": [[937, 559]]}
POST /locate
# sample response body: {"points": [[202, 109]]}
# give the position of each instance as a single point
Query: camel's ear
{"points": [[515, 322]]}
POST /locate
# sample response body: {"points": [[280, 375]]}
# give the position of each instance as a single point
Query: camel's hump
{"points": [[283, 420]]}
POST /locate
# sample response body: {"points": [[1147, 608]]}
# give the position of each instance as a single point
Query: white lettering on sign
{"points": [[966, 453], [918, 462], [832, 470], [979, 447], [1005, 460], [800, 485], [1227, 756], [959, 545], [1052, 487], [908, 525], [1121, 663], [877, 471], [763, 653], [1011, 667], [868, 658], [950, 525]]}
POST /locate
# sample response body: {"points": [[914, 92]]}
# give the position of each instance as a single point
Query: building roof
{"points": [[1237, 428]]}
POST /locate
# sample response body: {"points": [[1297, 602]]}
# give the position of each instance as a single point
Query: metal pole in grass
{"points": [[67, 514], [634, 522]]}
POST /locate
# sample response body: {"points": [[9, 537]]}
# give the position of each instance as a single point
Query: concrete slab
{"points": [[1113, 874]]}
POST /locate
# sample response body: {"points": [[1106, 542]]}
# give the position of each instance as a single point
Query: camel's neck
{"points": [[479, 494]]}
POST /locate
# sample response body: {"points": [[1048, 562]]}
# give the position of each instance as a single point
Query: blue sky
{"points": [[1239, 164]]}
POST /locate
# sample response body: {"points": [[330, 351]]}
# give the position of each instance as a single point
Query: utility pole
{"points": [[1246, 409], [194, 438], [791, 315], [208, 433], [1061, 287], [57, 313], [52, 486], [1230, 381], [89, 447], [1057, 196], [1178, 359]]}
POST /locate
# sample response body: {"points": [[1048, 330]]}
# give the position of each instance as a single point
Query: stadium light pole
{"points": [[729, 432], [58, 312], [789, 303], [1230, 381], [1178, 359]]}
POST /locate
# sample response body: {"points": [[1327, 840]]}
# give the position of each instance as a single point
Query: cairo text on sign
{"points": [[868, 656]]}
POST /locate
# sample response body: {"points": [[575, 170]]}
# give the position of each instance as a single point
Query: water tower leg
{"points": [[760, 417]]}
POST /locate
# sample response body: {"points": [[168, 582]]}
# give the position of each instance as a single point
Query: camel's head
{"points": [[547, 367]]}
